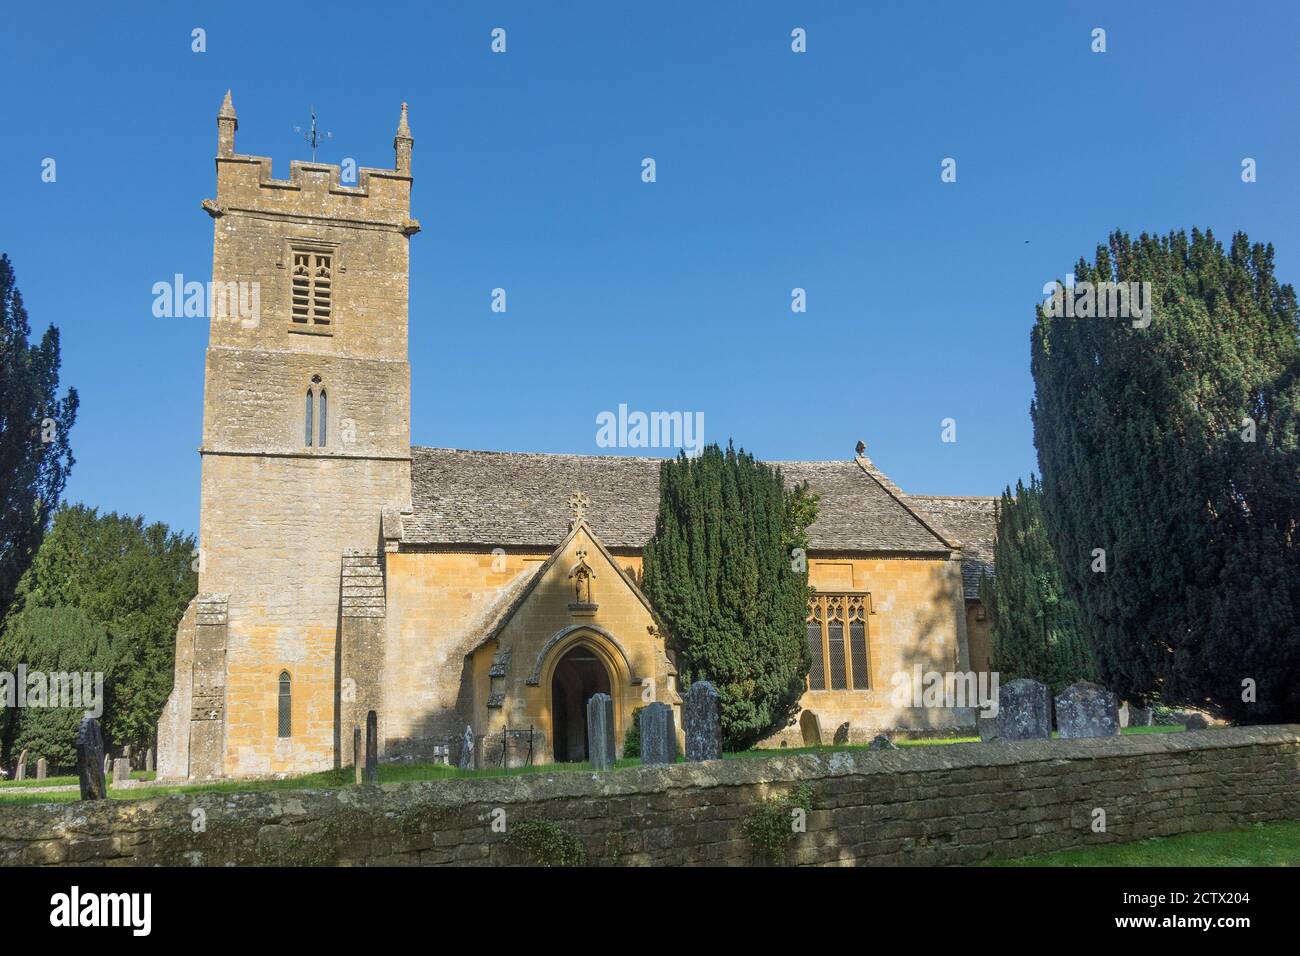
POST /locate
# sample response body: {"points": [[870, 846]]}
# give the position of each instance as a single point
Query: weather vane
{"points": [[313, 136]]}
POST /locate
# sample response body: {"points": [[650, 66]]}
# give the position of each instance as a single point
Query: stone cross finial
{"points": [[578, 502]]}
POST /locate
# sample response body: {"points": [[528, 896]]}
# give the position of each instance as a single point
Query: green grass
{"points": [[407, 772], [324, 780], [1263, 844], [63, 781]]}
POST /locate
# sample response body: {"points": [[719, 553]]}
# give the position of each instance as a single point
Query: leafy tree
{"points": [[133, 579], [1035, 621], [1173, 450], [720, 574], [35, 457], [48, 641]]}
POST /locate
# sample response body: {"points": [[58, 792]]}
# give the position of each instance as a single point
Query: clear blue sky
{"points": [[775, 170]]}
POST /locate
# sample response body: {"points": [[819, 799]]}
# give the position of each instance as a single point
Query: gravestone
{"points": [[372, 747], [358, 755], [90, 760], [121, 771], [1195, 722], [108, 766], [466, 761], [1024, 710], [881, 742], [841, 735], [1134, 715], [810, 726], [21, 772], [42, 769], [1085, 709], [988, 728], [148, 760], [126, 754], [658, 734], [702, 721], [600, 731]]}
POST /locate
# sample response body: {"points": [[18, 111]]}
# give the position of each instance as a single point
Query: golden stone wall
{"points": [[440, 604], [277, 514]]}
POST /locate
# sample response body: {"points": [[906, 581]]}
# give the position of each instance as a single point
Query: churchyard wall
{"points": [[947, 804]]}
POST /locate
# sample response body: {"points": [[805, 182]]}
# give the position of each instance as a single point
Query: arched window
{"points": [[310, 403], [323, 413], [286, 705]]}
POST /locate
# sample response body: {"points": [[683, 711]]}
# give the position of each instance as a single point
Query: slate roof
{"points": [[504, 499], [971, 520]]}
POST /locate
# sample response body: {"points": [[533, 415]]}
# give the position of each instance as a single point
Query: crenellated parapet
{"points": [[313, 191]]}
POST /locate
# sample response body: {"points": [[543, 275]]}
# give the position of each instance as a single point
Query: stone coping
{"points": [[632, 781]]}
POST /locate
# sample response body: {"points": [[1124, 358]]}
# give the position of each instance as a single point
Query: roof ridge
{"points": [[959, 497], [778, 462], [897, 493]]}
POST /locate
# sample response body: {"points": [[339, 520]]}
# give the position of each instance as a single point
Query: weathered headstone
{"points": [[126, 753], [810, 726], [841, 738], [658, 734], [108, 765], [988, 728], [90, 760], [600, 731], [121, 771], [358, 755], [702, 721], [1024, 710], [1134, 715], [372, 747], [148, 760], [466, 761], [881, 742], [1085, 709], [21, 772], [42, 768], [1195, 722]]}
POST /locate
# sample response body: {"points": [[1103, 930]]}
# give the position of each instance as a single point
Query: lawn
{"points": [[1263, 844]]}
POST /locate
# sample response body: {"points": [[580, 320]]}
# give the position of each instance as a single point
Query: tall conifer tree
{"points": [[725, 573], [1173, 450], [1035, 620], [34, 423]]}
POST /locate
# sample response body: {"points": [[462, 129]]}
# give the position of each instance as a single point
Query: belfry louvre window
{"points": [[837, 640], [313, 279], [286, 705]]}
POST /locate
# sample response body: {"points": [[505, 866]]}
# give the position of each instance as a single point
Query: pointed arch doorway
{"points": [[578, 675]]}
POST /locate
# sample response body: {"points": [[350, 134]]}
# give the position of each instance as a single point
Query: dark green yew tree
{"points": [[34, 423], [726, 574], [1173, 449], [1035, 621], [131, 579]]}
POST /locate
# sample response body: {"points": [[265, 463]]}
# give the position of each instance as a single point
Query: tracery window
{"points": [[315, 424], [837, 640]]}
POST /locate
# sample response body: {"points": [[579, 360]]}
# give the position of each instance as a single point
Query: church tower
{"points": [[306, 443]]}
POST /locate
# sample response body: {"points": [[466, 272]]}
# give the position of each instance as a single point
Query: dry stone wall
{"points": [[949, 804]]}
